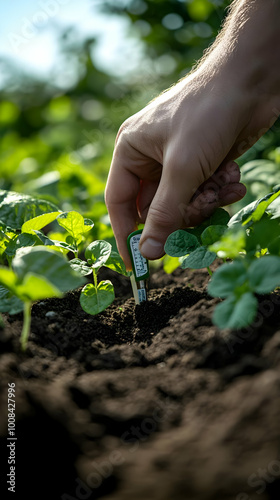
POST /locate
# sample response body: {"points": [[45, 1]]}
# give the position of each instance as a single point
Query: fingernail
{"points": [[151, 249]]}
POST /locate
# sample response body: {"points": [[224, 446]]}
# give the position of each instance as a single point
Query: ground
{"points": [[150, 402]]}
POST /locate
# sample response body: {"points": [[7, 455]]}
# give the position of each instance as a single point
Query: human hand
{"points": [[173, 161]]}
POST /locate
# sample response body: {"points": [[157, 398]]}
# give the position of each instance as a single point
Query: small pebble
{"points": [[51, 314]]}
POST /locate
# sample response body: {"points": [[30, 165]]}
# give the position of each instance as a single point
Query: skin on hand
{"points": [[173, 161]]}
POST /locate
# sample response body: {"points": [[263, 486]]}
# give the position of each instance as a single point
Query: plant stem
{"points": [[26, 324], [209, 271], [95, 279]]}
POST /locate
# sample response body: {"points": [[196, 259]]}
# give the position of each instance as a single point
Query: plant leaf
{"points": [[36, 288], [97, 253], [261, 208], [95, 300], [232, 242], [16, 208], [271, 205], [227, 278], [54, 243], [74, 224], [199, 258], [39, 222], [236, 313], [80, 266], [116, 263], [170, 264], [264, 274], [212, 234], [47, 263], [22, 240], [8, 278], [180, 243], [9, 303]]}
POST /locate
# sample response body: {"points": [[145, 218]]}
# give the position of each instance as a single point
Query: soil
{"points": [[148, 402]]}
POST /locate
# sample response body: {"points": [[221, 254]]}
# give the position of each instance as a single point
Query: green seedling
{"points": [[191, 245], [95, 297], [238, 282], [252, 240], [36, 273]]}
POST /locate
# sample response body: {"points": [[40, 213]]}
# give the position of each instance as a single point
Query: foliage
{"points": [[57, 143], [251, 239], [38, 266], [36, 273], [191, 245]]}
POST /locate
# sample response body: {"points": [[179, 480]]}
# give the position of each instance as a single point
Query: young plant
{"points": [[95, 297], [15, 210], [36, 273], [238, 283], [251, 239], [191, 245]]}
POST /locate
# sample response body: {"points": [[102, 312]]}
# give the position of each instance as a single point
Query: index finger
{"points": [[120, 197]]}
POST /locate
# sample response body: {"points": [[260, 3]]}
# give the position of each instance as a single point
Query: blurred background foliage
{"points": [[57, 134]]}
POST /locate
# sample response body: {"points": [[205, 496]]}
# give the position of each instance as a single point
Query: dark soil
{"points": [[150, 402]]}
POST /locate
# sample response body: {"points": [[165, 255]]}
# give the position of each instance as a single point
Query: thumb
{"points": [[170, 209]]}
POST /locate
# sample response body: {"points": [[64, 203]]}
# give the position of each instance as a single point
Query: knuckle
{"points": [[123, 130]]}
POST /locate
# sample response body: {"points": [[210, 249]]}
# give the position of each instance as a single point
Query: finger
{"points": [[165, 215], [146, 194], [226, 173], [231, 193], [120, 197], [205, 204]]}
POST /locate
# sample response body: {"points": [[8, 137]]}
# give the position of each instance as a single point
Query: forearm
{"points": [[249, 47]]}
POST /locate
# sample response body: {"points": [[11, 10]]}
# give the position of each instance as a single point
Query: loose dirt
{"points": [[150, 402]]}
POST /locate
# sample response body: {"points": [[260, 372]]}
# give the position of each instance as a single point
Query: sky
{"points": [[27, 34]]}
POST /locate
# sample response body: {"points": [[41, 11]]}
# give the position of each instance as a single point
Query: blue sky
{"points": [[27, 33]]}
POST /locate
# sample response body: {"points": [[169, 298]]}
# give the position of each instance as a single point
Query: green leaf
{"points": [[170, 264], [264, 274], [97, 253], [199, 258], [269, 203], [22, 240], [74, 224], [261, 208], [16, 208], [219, 218], [36, 288], [39, 222], [227, 278], [180, 243], [263, 234], [236, 313], [94, 300], [89, 224], [8, 278], [54, 243], [9, 303], [48, 263], [212, 234], [232, 242], [80, 266], [116, 263]]}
